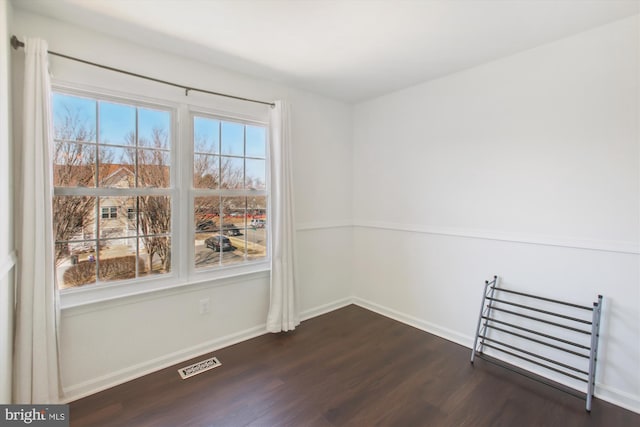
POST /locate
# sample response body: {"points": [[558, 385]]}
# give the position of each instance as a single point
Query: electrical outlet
{"points": [[205, 305]]}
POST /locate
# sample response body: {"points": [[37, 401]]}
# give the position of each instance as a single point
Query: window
{"points": [[125, 213], [229, 194], [111, 157], [110, 213]]}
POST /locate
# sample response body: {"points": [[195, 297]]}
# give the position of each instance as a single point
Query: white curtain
{"points": [[36, 370], [283, 306]]}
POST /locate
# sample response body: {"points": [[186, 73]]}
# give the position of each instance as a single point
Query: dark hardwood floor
{"points": [[350, 367]]}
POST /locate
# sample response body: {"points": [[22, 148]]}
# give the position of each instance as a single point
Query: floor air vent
{"points": [[198, 368]]}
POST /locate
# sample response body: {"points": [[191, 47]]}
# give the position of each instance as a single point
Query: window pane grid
{"points": [[93, 240], [230, 211], [227, 155], [114, 191], [106, 144], [109, 241], [103, 192]]}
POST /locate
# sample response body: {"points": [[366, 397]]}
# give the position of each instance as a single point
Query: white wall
{"points": [[6, 216], [526, 167], [108, 342]]}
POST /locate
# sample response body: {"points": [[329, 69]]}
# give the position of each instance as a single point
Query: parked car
{"points": [[231, 230], [258, 223], [219, 242], [207, 225]]}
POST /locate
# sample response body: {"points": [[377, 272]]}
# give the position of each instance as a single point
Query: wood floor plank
{"points": [[350, 367]]}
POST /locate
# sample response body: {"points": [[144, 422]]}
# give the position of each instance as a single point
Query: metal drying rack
{"points": [[513, 320]]}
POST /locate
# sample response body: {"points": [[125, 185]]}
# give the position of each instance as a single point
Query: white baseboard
{"points": [[95, 385], [618, 397], [325, 308], [610, 394], [432, 328]]}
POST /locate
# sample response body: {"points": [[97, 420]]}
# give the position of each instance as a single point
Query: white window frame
{"points": [[106, 289], [248, 265], [181, 191]]}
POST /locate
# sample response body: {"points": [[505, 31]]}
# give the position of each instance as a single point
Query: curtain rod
{"points": [[15, 43]]}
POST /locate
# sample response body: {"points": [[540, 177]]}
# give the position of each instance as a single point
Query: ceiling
{"points": [[351, 50]]}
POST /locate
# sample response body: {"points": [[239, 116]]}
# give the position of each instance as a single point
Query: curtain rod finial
{"points": [[15, 43]]}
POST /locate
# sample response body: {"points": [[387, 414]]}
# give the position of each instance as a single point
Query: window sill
{"points": [[125, 292]]}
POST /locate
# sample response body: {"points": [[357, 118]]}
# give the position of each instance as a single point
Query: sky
{"points": [[212, 136]]}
